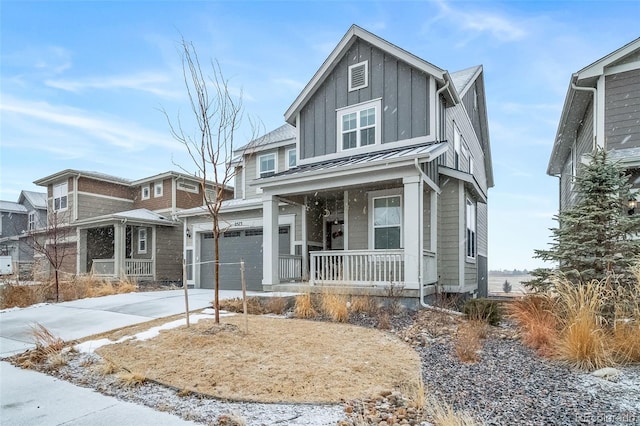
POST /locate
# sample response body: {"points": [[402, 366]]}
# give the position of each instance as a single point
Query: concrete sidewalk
{"points": [[31, 398]]}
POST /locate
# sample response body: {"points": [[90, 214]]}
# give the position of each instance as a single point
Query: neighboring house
{"points": [[602, 109], [118, 228], [17, 220], [379, 177]]}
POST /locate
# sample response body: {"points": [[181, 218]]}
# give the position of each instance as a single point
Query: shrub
{"points": [[335, 306], [534, 315], [254, 307], [483, 310], [507, 287], [304, 306]]}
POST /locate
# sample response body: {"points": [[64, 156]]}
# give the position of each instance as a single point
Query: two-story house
{"points": [[379, 177], [601, 109], [116, 227], [17, 220]]}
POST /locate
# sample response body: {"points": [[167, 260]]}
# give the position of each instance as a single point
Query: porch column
{"points": [[270, 238], [118, 249], [412, 228], [305, 242]]}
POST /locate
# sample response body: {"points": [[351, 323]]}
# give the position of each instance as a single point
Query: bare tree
{"points": [[52, 242], [218, 115]]}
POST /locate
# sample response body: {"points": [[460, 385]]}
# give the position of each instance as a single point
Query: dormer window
{"points": [[359, 125], [358, 76]]}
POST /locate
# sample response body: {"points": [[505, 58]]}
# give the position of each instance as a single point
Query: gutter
{"points": [[595, 108]]}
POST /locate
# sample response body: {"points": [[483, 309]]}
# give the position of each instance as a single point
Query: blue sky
{"points": [[82, 83]]}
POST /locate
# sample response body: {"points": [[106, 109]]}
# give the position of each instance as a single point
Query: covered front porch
{"points": [[122, 245], [376, 228]]}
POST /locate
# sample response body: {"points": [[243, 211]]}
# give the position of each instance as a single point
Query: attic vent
{"points": [[358, 76]]}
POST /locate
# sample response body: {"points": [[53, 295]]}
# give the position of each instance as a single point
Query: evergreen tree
{"points": [[598, 235]]}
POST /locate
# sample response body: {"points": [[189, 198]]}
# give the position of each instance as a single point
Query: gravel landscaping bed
{"points": [[509, 385]]}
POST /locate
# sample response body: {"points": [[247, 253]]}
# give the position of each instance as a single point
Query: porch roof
{"points": [[429, 151], [143, 216]]}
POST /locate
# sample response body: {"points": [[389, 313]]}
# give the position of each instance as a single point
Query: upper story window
{"points": [[189, 187], [157, 189], [457, 143], [292, 158], [146, 192], [60, 196], [359, 125], [387, 222], [267, 165], [142, 240], [32, 221], [471, 229], [358, 75]]}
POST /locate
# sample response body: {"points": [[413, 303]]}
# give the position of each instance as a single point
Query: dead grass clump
{"points": [[334, 305], [364, 304], [106, 368], [414, 391], [130, 380], [583, 340], [304, 306], [469, 340], [276, 305], [254, 307], [535, 317], [231, 419], [48, 350], [626, 341], [12, 296], [126, 285], [384, 321], [443, 414]]}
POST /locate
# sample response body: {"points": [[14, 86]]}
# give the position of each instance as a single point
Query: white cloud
{"points": [[290, 84], [146, 82]]}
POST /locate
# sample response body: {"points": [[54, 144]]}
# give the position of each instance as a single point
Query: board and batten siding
{"points": [[405, 93], [426, 217], [622, 110], [458, 116], [449, 238], [471, 101]]}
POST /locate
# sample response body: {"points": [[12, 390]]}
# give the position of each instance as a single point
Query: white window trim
{"points": [[182, 187], [148, 188], [574, 163], [470, 206], [156, 186], [60, 195], [457, 143], [142, 236], [287, 166], [31, 220], [386, 193], [366, 75], [259, 162], [340, 112]]}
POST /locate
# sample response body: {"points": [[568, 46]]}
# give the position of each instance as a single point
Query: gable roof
{"points": [[73, 172], [463, 79], [12, 207], [354, 33], [283, 135], [37, 199], [577, 101]]}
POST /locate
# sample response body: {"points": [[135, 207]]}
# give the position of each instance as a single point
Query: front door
{"points": [[335, 235]]}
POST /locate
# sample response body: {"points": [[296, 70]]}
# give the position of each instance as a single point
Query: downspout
{"points": [[595, 109], [421, 237], [438, 92]]}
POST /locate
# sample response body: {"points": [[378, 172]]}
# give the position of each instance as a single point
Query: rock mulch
{"points": [[509, 385]]}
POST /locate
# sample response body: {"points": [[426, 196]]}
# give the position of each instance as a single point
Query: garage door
{"points": [[235, 245]]}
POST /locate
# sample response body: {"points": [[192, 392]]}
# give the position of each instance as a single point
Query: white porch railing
{"points": [[290, 267], [132, 267], [357, 267], [138, 267]]}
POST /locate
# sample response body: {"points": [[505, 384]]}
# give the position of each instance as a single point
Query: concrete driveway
{"points": [[31, 398]]}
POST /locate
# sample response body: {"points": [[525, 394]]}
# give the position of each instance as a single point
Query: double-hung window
{"points": [[157, 189], [387, 222], [146, 192], [142, 240], [267, 165], [32, 221], [292, 159], [359, 125], [457, 137], [471, 229], [60, 196]]}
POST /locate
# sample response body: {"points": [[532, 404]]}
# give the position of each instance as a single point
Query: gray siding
{"points": [[449, 238], [470, 274], [92, 206], [473, 107], [13, 223], [168, 252], [622, 110], [426, 218], [458, 116], [251, 172], [404, 92], [358, 221], [583, 147]]}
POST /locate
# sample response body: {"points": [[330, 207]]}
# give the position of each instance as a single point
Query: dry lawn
{"points": [[279, 360]]}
